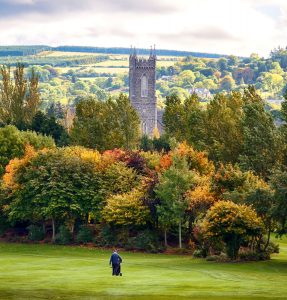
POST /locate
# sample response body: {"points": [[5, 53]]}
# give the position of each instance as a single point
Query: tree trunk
{"points": [[179, 234], [165, 238], [72, 227], [54, 230]]}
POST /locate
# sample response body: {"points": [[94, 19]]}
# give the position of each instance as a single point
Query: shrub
{"points": [[64, 235], [222, 257], [253, 256], [35, 233], [272, 248], [85, 235], [106, 236], [144, 240], [212, 257], [198, 253], [147, 240]]}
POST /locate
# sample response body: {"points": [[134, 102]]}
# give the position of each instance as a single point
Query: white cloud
{"points": [[233, 27]]}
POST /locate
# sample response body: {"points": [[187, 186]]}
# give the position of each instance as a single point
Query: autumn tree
{"points": [[126, 209], [233, 224]]}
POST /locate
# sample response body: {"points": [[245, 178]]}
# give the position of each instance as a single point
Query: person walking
{"points": [[116, 261]]}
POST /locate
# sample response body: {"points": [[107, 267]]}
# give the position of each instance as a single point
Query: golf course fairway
{"points": [[65, 272]]}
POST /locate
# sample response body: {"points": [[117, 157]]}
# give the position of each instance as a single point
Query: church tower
{"points": [[142, 90]]}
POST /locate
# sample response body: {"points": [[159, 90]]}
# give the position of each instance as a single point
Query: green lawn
{"points": [[58, 272]]}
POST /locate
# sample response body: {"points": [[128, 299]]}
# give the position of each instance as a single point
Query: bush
{"points": [[181, 251], [145, 240], [85, 235], [106, 236], [64, 235], [198, 253], [272, 248], [253, 256], [212, 257], [35, 233], [222, 257]]}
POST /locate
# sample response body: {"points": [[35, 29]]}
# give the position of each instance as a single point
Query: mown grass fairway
{"points": [[57, 272]]}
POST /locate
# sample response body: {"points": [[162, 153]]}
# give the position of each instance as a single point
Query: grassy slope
{"points": [[56, 272], [117, 64]]}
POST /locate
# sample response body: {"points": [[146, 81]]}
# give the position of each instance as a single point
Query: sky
{"points": [[238, 27]]}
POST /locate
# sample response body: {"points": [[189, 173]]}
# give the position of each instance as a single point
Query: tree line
{"points": [[215, 182]]}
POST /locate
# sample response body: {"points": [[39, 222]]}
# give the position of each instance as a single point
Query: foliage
{"points": [[36, 233], [51, 185], [85, 234], [126, 209], [224, 139], [232, 223], [19, 97], [173, 184], [279, 184], [48, 126], [261, 147], [106, 125], [145, 240], [64, 236], [13, 141]]}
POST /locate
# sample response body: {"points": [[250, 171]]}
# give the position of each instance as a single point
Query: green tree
{"points": [[13, 141], [279, 184], [185, 120], [52, 185], [46, 125], [126, 123], [223, 127], [263, 201], [186, 79], [173, 117], [262, 145], [19, 97], [227, 83], [271, 82], [172, 186], [106, 125]]}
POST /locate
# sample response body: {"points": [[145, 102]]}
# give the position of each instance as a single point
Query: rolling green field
{"points": [[59, 272]]}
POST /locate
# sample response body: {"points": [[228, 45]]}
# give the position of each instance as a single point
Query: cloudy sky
{"points": [[239, 27]]}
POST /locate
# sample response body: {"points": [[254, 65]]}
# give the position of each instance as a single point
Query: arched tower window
{"points": [[144, 86]]}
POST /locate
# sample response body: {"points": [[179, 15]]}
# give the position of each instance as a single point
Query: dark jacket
{"points": [[115, 259]]}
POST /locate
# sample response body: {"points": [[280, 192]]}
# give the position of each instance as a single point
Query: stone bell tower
{"points": [[142, 90]]}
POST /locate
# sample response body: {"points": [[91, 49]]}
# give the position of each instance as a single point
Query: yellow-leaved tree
{"points": [[126, 209]]}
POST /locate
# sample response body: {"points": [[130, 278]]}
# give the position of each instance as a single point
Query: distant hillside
{"points": [[141, 51], [22, 50], [32, 50]]}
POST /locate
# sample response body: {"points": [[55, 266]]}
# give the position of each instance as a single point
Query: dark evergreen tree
{"points": [[47, 125]]}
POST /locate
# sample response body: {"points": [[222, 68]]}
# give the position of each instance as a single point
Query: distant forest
{"points": [[32, 50]]}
